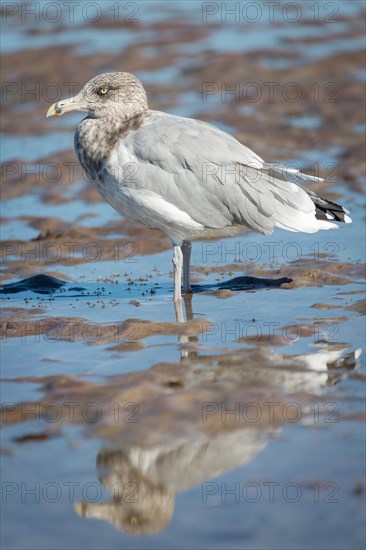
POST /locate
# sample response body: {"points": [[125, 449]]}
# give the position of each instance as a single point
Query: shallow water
{"points": [[244, 426]]}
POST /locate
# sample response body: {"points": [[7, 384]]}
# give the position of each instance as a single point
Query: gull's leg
{"points": [[186, 249], [177, 264], [180, 319], [184, 339], [187, 298], [189, 353]]}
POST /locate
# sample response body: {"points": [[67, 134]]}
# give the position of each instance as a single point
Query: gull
{"points": [[184, 176]]}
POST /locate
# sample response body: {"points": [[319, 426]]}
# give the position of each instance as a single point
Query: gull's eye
{"points": [[103, 90]]}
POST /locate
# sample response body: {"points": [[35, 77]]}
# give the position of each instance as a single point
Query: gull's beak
{"points": [[65, 106]]}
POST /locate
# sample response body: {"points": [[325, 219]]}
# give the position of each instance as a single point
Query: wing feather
{"points": [[216, 180]]}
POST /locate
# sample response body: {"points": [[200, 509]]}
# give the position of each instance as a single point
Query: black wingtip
{"points": [[328, 210]]}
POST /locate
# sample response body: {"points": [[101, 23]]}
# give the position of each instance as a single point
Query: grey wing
{"points": [[217, 181]]}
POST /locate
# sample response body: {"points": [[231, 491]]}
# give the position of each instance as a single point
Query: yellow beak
{"points": [[54, 110], [66, 105]]}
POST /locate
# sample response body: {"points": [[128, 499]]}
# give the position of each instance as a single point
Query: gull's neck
{"points": [[96, 137]]}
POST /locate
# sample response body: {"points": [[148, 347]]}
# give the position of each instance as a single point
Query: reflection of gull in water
{"points": [[184, 176], [325, 356], [307, 372], [145, 479]]}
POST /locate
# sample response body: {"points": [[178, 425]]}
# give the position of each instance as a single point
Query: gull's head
{"points": [[109, 94]]}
